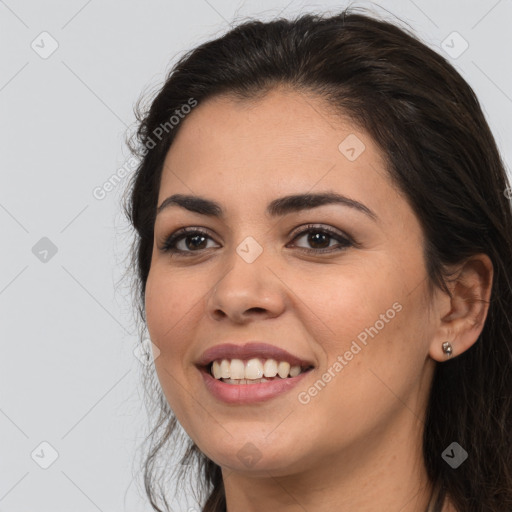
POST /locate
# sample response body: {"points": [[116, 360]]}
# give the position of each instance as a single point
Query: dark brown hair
{"points": [[441, 154]]}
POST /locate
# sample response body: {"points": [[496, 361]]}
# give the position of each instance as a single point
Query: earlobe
{"points": [[442, 351], [447, 348]]}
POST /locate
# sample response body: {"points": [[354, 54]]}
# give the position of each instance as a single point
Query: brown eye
{"points": [[320, 238], [186, 241], [196, 241]]}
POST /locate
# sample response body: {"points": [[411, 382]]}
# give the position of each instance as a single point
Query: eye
{"points": [[193, 239], [187, 241], [320, 237]]}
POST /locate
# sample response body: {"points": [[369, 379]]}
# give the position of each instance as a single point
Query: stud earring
{"points": [[447, 348]]}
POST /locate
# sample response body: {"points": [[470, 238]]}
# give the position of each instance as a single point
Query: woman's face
{"points": [[351, 302]]}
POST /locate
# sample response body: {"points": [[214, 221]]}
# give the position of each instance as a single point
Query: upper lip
{"points": [[248, 351]]}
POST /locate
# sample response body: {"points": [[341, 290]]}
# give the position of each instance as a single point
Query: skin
{"points": [[356, 445]]}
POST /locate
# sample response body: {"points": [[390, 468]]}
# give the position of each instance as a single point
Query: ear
{"points": [[462, 317]]}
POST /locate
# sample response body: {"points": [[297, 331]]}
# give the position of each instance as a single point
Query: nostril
{"points": [[257, 310]]}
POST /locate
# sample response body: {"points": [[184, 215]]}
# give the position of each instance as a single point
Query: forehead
{"points": [[282, 121], [285, 142]]}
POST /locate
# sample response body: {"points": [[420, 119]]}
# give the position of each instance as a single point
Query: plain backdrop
{"points": [[71, 402]]}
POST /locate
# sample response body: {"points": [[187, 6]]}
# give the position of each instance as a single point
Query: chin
{"points": [[258, 462]]}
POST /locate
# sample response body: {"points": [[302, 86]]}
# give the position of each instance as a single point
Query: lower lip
{"points": [[249, 393]]}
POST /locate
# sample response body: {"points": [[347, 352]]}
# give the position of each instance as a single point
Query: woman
{"points": [[323, 259]]}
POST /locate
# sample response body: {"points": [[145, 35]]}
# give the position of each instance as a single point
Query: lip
{"points": [[248, 351], [249, 393]]}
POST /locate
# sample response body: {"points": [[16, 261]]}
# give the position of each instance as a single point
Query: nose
{"points": [[246, 292]]}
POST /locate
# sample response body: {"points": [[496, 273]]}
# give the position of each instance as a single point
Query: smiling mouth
{"points": [[253, 371]]}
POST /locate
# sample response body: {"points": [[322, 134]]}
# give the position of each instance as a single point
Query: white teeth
{"points": [[283, 369], [225, 369], [270, 368], [216, 370], [237, 369], [294, 371], [252, 371]]}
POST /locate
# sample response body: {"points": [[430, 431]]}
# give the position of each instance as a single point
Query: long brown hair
{"points": [[440, 152]]}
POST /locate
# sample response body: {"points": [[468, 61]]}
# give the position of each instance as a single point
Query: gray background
{"points": [[69, 376]]}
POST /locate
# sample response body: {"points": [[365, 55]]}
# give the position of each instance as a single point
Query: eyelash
{"points": [[170, 243]]}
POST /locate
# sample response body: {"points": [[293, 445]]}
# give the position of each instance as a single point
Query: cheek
{"points": [[172, 308], [368, 318], [343, 300], [168, 306]]}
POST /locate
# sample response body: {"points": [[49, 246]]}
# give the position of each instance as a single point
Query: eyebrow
{"points": [[278, 207]]}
